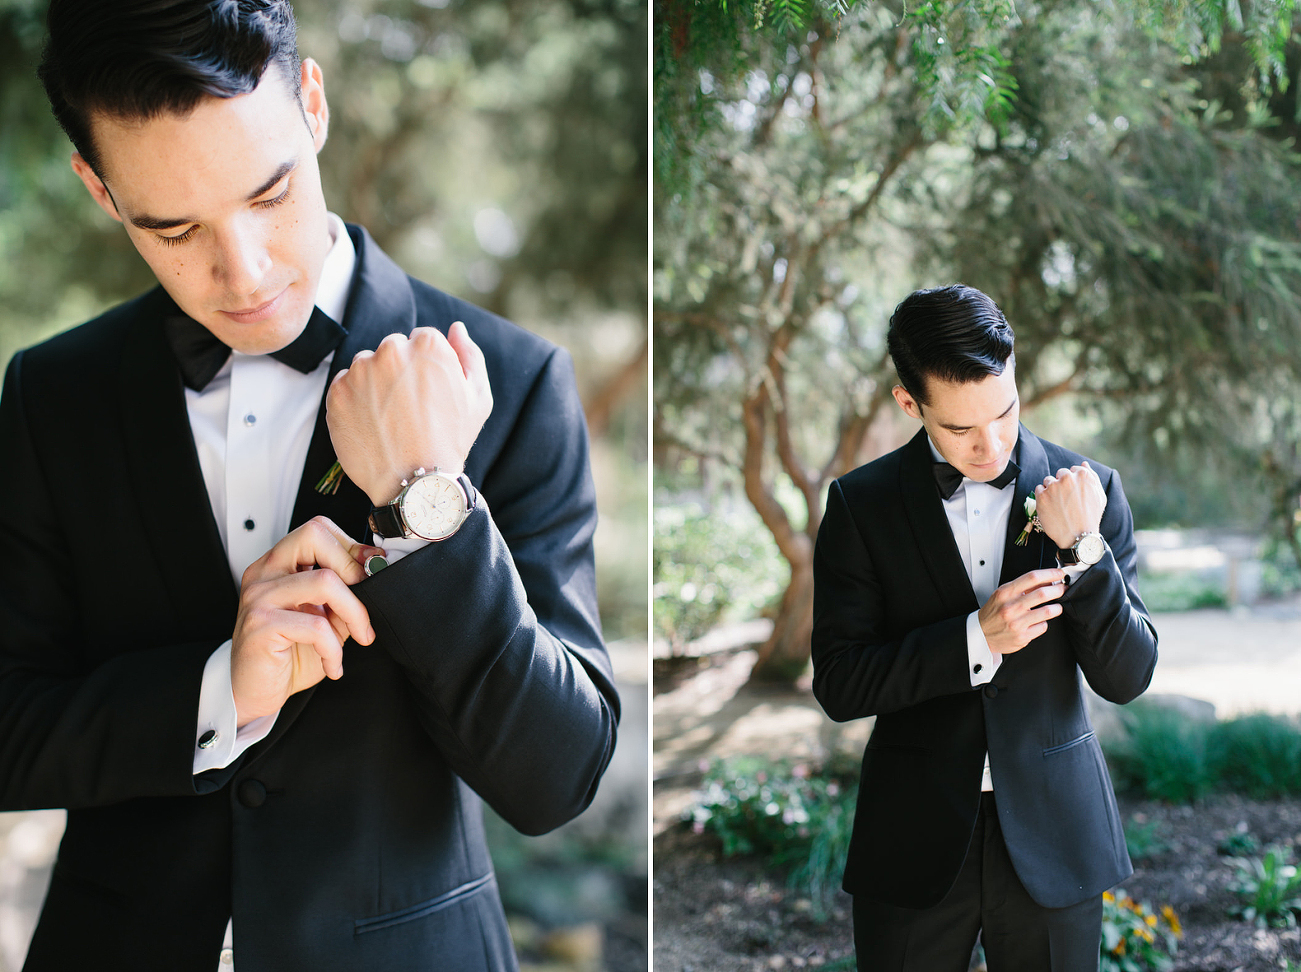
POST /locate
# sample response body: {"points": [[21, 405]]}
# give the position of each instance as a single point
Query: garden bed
{"points": [[735, 915]]}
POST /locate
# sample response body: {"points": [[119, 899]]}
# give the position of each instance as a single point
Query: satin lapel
{"points": [[1034, 467], [380, 303], [925, 512], [165, 474]]}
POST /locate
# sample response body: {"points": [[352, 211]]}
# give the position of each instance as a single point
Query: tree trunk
{"points": [[785, 654]]}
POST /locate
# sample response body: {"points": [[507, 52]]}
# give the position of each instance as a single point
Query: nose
{"points": [[241, 260], [988, 443]]}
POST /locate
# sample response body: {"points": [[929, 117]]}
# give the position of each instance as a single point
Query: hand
{"points": [[293, 619], [417, 401], [1019, 611], [1070, 504]]}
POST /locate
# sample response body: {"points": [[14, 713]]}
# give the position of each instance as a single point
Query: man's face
{"points": [[973, 424], [225, 205]]}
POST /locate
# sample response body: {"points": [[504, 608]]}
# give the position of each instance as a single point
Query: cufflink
{"points": [[978, 668], [209, 739], [374, 564]]}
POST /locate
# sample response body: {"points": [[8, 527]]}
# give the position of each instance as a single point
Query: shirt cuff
{"points": [[981, 662], [1074, 571], [395, 550], [218, 739]]}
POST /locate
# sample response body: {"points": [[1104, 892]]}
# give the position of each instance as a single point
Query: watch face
{"points": [[1091, 548], [433, 507]]}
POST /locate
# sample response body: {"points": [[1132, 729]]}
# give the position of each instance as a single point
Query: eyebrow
{"points": [[964, 428], [145, 221]]}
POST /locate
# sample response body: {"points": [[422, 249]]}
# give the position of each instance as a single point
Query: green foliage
{"points": [[1162, 755], [791, 817], [1185, 591], [1257, 755], [1240, 843], [1143, 838], [1270, 889], [1134, 938], [710, 566], [1166, 756]]}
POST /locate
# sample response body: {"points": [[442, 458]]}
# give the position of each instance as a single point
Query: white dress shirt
{"points": [[252, 427]]}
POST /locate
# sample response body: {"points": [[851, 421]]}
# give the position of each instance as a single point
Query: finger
{"points": [[1063, 473], [1032, 579], [301, 628], [318, 542], [1049, 480], [364, 355], [324, 588], [467, 352], [1038, 490], [1041, 615], [1034, 631], [1041, 595]]}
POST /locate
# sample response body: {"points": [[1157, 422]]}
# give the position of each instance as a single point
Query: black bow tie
{"points": [[200, 355], [949, 479]]}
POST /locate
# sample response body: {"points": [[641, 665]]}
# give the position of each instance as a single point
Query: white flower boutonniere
{"points": [[1031, 526]]}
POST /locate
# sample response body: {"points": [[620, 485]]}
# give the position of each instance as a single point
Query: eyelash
{"points": [[189, 233]]}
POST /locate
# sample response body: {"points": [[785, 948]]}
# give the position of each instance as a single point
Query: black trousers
{"points": [[988, 898]]}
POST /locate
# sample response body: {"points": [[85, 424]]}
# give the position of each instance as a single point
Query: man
{"points": [[985, 805], [269, 758]]}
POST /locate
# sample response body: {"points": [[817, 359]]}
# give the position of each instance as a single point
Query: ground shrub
{"points": [[1163, 755], [1144, 838], [1270, 889], [1257, 755], [711, 566], [793, 817], [1134, 938]]}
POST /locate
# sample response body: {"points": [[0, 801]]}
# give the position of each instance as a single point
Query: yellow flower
{"points": [[1120, 948], [1108, 896], [1151, 921], [1144, 934], [1172, 920]]}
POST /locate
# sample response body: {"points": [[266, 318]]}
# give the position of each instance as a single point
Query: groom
{"points": [[985, 805], [273, 757]]}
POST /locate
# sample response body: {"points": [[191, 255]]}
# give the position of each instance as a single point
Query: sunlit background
{"points": [[497, 150]]}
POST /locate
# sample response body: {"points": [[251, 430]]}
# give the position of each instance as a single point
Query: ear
{"points": [[94, 185], [315, 107], [907, 402]]}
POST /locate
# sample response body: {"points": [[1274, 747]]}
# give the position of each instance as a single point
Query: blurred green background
{"points": [[496, 149]]}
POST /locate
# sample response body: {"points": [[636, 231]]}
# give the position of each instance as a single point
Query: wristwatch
{"points": [[1087, 550], [431, 506]]}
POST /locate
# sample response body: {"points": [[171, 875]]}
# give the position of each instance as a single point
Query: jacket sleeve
{"points": [[858, 670], [497, 626], [75, 733], [1107, 625]]}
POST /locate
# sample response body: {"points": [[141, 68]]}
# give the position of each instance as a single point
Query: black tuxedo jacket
{"points": [[351, 838], [889, 639]]}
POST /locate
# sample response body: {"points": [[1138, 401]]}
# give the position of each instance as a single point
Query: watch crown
{"points": [[420, 471]]}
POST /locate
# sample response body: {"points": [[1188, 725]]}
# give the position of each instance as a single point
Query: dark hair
{"points": [[953, 333], [139, 59]]}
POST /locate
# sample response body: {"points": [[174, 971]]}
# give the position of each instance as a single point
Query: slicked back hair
{"points": [[140, 59], [954, 333]]}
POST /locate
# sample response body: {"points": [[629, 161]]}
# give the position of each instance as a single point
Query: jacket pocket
{"points": [[1069, 745], [424, 908]]}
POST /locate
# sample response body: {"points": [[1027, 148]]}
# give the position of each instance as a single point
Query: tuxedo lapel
{"points": [[925, 511], [165, 475], [380, 303], [1034, 467]]}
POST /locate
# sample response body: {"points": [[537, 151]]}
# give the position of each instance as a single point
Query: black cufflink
{"points": [[208, 739]]}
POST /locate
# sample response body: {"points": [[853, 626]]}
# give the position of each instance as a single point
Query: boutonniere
{"points": [[333, 478], [1033, 522]]}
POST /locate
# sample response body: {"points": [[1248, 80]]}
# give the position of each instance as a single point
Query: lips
{"points": [[261, 312]]}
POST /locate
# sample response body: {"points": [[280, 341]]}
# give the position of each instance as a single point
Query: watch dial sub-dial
{"points": [[433, 507]]}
